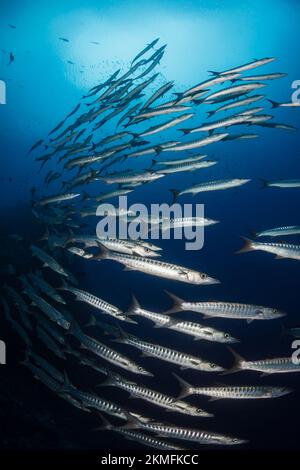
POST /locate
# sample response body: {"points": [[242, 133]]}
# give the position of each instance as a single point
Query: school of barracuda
{"points": [[83, 157]]}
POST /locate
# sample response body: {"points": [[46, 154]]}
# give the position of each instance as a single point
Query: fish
{"points": [[292, 104], [51, 312], [277, 125], [130, 177], [108, 354], [294, 183], [57, 199], [192, 166], [36, 145], [182, 433], [261, 118], [196, 143], [232, 92], [266, 76], [232, 310], [239, 392], [22, 333], [211, 126], [94, 301], [236, 104], [156, 268], [152, 396], [196, 330], [214, 185], [11, 58], [183, 360], [48, 260], [249, 66], [180, 222], [158, 94], [218, 80], [281, 250], [38, 280], [139, 437], [194, 158], [146, 49], [279, 231], [161, 127], [64, 39], [277, 365], [148, 114]]}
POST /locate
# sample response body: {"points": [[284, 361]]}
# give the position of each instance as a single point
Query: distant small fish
{"points": [[70, 62], [64, 39], [12, 26], [11, 58], [95, 42]]}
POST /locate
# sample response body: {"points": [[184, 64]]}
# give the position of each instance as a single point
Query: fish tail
{"points": [[237, 362], [248, 246], [210, 113], [107, 426], [264, 183], [185, 131], [177, 303], [175, 193], [103, 252], [274, 104], [212, 72], [133, 306], [108, 381], [185, 387]]}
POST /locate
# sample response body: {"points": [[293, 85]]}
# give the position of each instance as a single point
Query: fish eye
{"points": [[199, 410], [212, 365], [234, 439], [140, 368], [226, 335], [274, 310], [203, 276]]}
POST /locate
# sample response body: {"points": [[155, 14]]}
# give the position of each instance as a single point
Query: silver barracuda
{"points": [[50, 311], [279, 231], [215, 185], [196, 330], [232, 310], [240, 392], [48, 260], [57, 199], [152, 396], [249, 66], [167, 125], [236, 104], [277, 365], [211, 139], [190, 166], [184, 360], [266, 76], [231, 92], [157, 268], [281, 250], [194, 158], [211, 126]]}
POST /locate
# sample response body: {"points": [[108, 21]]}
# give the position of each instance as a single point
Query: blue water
{"points": [[42, 87]]}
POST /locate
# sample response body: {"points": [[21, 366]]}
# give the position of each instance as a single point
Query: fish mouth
{"points": [[211, 280]]}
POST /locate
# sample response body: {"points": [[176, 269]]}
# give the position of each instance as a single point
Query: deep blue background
{"points": [[42, 88]]}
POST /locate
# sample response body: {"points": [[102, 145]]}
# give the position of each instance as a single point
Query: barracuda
{"points": [[185, 361], [281, 250], [279, 231], [95, 302], [226, 309], [196, 330], [105, 352], [277, 365], [215, 185], [192, 166], [196, 143], [156, 268], [152, 396], [186, 434], [48, 260], [231, 392]]}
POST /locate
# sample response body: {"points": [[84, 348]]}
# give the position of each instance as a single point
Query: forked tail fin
{"points": [[185, 387], [248, 246]]}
